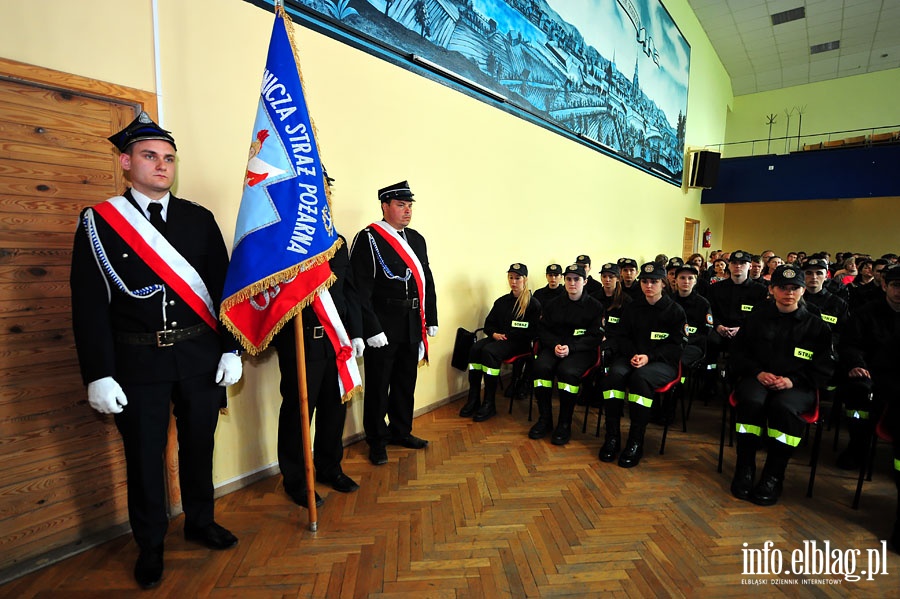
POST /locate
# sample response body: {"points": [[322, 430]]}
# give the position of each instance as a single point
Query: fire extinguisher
{"points": [[707, 238]]}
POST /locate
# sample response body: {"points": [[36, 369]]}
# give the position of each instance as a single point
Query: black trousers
{"points": [[778, 411], [391, 373], [143, 424], [325, 404], [640, 384]]}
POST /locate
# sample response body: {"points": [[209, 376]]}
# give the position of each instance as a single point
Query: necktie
{"points": [[402, 234], [156, 219]]}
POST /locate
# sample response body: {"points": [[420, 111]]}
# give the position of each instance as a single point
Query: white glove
{"points": [[229, 370], [359, 346], [379, 340], [106, 396], [431, 331]]}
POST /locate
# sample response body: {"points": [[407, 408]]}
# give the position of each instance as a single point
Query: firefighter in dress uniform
{"points": [[141, 345], [398, 302]]}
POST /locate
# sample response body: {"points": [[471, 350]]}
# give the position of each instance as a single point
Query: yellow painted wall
{"points": [[861, 225], [491, 189], [864, 225]]}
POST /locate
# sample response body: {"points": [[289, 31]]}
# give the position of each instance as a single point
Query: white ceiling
{"points": [[760, 57]]}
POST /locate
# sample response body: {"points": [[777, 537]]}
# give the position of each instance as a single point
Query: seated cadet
{"points": [[510, 327], [781, 355], [646, 347], [611, 296], [731, 302], [570, 332], [697, 312], [671, 266], [756, 269], [870, 353], [628, 273], [553, 288], [834, 312], [591, 285], [864, 287]]}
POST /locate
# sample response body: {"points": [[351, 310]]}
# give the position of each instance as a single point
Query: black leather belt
{"points": [[163, 338], [412, 304], [317, 332]]}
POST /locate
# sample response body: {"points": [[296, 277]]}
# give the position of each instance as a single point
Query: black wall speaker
{"points": [[704, 168]]}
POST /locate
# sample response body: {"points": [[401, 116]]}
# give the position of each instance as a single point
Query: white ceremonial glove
{"points": [[379, 340], [359, 346], [431, 331], [229, 370], [421, 351], [106, 396]]}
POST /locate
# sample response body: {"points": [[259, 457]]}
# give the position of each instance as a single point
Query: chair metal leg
{"points": [[866, 466], [722, 436], [814, 457]]}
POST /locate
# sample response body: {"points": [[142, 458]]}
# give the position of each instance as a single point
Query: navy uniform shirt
{"points": [[503, 319], [575, 323], [656, 330]]}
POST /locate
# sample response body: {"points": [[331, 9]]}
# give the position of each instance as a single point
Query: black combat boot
{"points": [[634, 446], [563, 431], [768, 489], [488, 408], [745, 470], [545, 415], [474, 401]]}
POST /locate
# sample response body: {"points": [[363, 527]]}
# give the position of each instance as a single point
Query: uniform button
{"points": [[124, 255], [171, 302], [174, 324]]}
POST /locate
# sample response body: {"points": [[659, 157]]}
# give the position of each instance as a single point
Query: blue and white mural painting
{"points": [[612, 71]]}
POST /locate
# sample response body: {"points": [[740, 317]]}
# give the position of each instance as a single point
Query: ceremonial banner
{"points": [[284, 234]]}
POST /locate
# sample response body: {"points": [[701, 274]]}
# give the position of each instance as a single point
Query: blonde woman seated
{"points": [[510, 327]]}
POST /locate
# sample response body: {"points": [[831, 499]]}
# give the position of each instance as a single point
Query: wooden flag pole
{"points": [[304, 425]]}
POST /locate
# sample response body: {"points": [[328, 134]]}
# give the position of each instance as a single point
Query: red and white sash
{"points": [[349, 380], [409, 257], [155, 250]]}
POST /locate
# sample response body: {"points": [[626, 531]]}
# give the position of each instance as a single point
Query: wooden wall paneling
{"points": [[63, 479]]}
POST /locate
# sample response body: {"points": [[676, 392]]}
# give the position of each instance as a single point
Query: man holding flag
{"points": [[396, 292], [284, 238]]}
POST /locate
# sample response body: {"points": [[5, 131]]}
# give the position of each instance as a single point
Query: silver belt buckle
{"points": [[162, 339], [415, 303], [318, 332]]}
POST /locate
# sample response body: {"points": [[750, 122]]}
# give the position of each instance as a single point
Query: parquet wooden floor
{"points": [[486, 512]]}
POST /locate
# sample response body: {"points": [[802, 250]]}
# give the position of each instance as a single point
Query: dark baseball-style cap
{"points": [[788, 274], [518, 268], [554, 269], [576, 269], [652, 270]]}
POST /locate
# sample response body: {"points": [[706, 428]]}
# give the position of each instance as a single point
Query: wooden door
{"points": [[62, 483], [691, 240]]}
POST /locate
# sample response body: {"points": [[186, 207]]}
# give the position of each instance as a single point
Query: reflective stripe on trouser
{"points": [[573, 389], [785, 438], [749, 429], [485, 369], [543, 383], [857, 414], [896, 464], [613, 394], [640, 400]]}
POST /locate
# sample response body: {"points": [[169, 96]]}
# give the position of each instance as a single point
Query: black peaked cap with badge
{"points": [[610, 269], [576, 269], [554, 269], [788, 274], [739, 256], [140, 129], [518, 268], [652, 270], [397, 191]]}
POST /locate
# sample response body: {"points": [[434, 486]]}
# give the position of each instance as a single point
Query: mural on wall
{"points": [[613, 72]]}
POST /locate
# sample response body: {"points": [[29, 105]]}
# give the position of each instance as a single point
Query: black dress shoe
{"points": [[742, 483], [562, 434], [631, 455], [767, 491], [378, 456], [610, 449], [470, 408], [410, 442], [149, 568], [341, 483], [212, 536], [487, 411]]}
